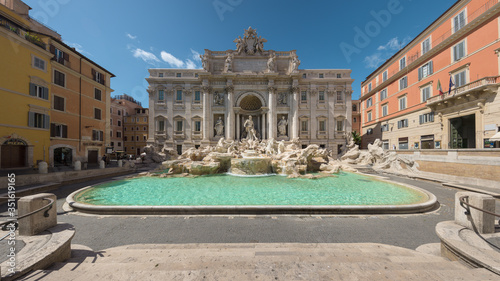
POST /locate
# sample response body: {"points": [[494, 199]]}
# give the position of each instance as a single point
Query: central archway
{"points": [[250, 103]]}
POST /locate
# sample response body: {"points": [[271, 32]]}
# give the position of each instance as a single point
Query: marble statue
{"points": [[228, 65], [240, 45], [219, 127], [250, 43], [249, 129], [271, 63], [218, 98], [260, 44], [295, 63], [282, 126], [204, 62]]}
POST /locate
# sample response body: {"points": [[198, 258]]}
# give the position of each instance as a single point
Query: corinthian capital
{"points": [[271, 89], [229, 88], [206, 89]]}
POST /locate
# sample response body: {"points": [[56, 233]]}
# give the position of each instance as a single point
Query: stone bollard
{"points": [[36, 223], [78, 166], [102, 164], [484, 223], [120, 163], [43, 168]]}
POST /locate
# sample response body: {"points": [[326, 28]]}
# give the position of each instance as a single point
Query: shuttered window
{"points": [[97, 135], [459, 51], [97, 113], [39, 91], [426, 70], [459, 21], [59, 78], [460, 79], [58, 103], [38, 120], [97, 94], [58, 131], [426, 45]]}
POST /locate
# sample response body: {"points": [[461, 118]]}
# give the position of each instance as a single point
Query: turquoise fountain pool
{"points": [[225, 190]]}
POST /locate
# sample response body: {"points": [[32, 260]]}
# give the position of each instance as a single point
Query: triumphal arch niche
{"points": [[196, 107]]}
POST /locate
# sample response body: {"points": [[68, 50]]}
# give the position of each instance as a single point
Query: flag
{"points": [[451, 85], [440, 90]]}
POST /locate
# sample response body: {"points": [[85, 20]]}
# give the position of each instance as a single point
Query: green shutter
{"points": [[420, 73], [431, 68], [32, 90], [65, 131], [45, 93], [46, 120], [31, 119]]}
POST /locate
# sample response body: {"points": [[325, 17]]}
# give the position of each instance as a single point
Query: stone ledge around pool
{"points": [[429, 205]]}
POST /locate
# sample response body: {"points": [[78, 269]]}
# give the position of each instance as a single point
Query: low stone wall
{"points": [[468, 166], [67, 176]]}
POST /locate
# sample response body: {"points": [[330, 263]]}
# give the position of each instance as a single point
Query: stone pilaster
{"points": [[206, 113], [272, 130], [230, 112], [152, 120], [295, 112]]}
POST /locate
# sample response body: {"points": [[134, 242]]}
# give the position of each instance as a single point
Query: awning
{"points": [[495, 137]]}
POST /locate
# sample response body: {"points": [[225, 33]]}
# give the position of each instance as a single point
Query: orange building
{"points": [[117, 111], [136, 131], [401, 102], [80, 110]]}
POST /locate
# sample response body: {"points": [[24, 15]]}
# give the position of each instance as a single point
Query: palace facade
{"points": [[197, 107]]}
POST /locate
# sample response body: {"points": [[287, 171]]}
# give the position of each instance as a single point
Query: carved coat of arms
{"points": [[250, 43]]}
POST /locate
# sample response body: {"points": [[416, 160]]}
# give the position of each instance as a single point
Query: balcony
{"points": [[32, 38], [464, 92]]}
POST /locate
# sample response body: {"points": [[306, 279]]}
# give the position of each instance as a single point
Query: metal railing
{"points": [[491, 80], [463, 202], [14, 220]]}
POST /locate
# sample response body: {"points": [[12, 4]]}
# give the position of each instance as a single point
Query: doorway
{"points": [[463, 132], [93, 157], [14, 154], [63, 156]]}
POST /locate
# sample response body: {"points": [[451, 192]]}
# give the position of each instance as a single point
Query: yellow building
{"points": [[25, 82], [56, 101], [136, 131]]}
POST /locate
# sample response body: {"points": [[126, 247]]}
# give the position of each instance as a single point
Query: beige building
{"points": [[190, 108], [136, 127], [117, 111]]}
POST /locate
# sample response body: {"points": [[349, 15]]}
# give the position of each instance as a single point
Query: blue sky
{"points": [[127, 37]]}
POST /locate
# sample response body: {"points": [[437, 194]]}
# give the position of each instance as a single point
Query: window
{"points": [[384, 128], [97, 94], [402, 63], [369, 116], [60, 56], [321, 75], [426, 118], [38, 120], [125, 138], [97, 135], [303, 96], [119, 112], [144, 138], [144, 128], [131, 128], [459, 21], [97, 113], [59, 78], [178, 126], [385, 110], [136, 138], [178, 98], [39, 91], [112, 143], [460, 79], [354, 107], [369, 131], [197, 126], [119, 144], [161, 126], [304, 75], [161, 95], [339, 75], [133, 120], [58, 103], [119, 123], [425, 70], [459, 51], [339, 96], [402, 103], [370, 87], [369, 102], [145, 119], [98, 77], [58, 131], [197, 96], [426, 45], [403, 83], [321, 96], [322, 126], [137, 128], [160, 74], [39, 63], [384, 76], [303, 126], [340, 125], [354, 120], [383, 94], [403, 123], [118, 134], [178, 75], [426, 93], [196, 75], [403, 143]]}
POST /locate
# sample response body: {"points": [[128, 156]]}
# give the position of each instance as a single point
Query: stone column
{"points": [[295, 112], [272, 112], [264, 126], [230, 112], [238, 122], [206, 114], [151, 129]]}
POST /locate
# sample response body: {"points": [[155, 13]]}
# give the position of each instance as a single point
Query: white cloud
{"points": [[171, 60], [78, 48], [385, 51], [373, 61], [130, 36], [190, 64], [196, 55], [146, 56]]}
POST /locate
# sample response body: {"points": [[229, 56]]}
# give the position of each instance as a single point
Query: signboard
{"points": [[15, 142], [109, 150]]}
